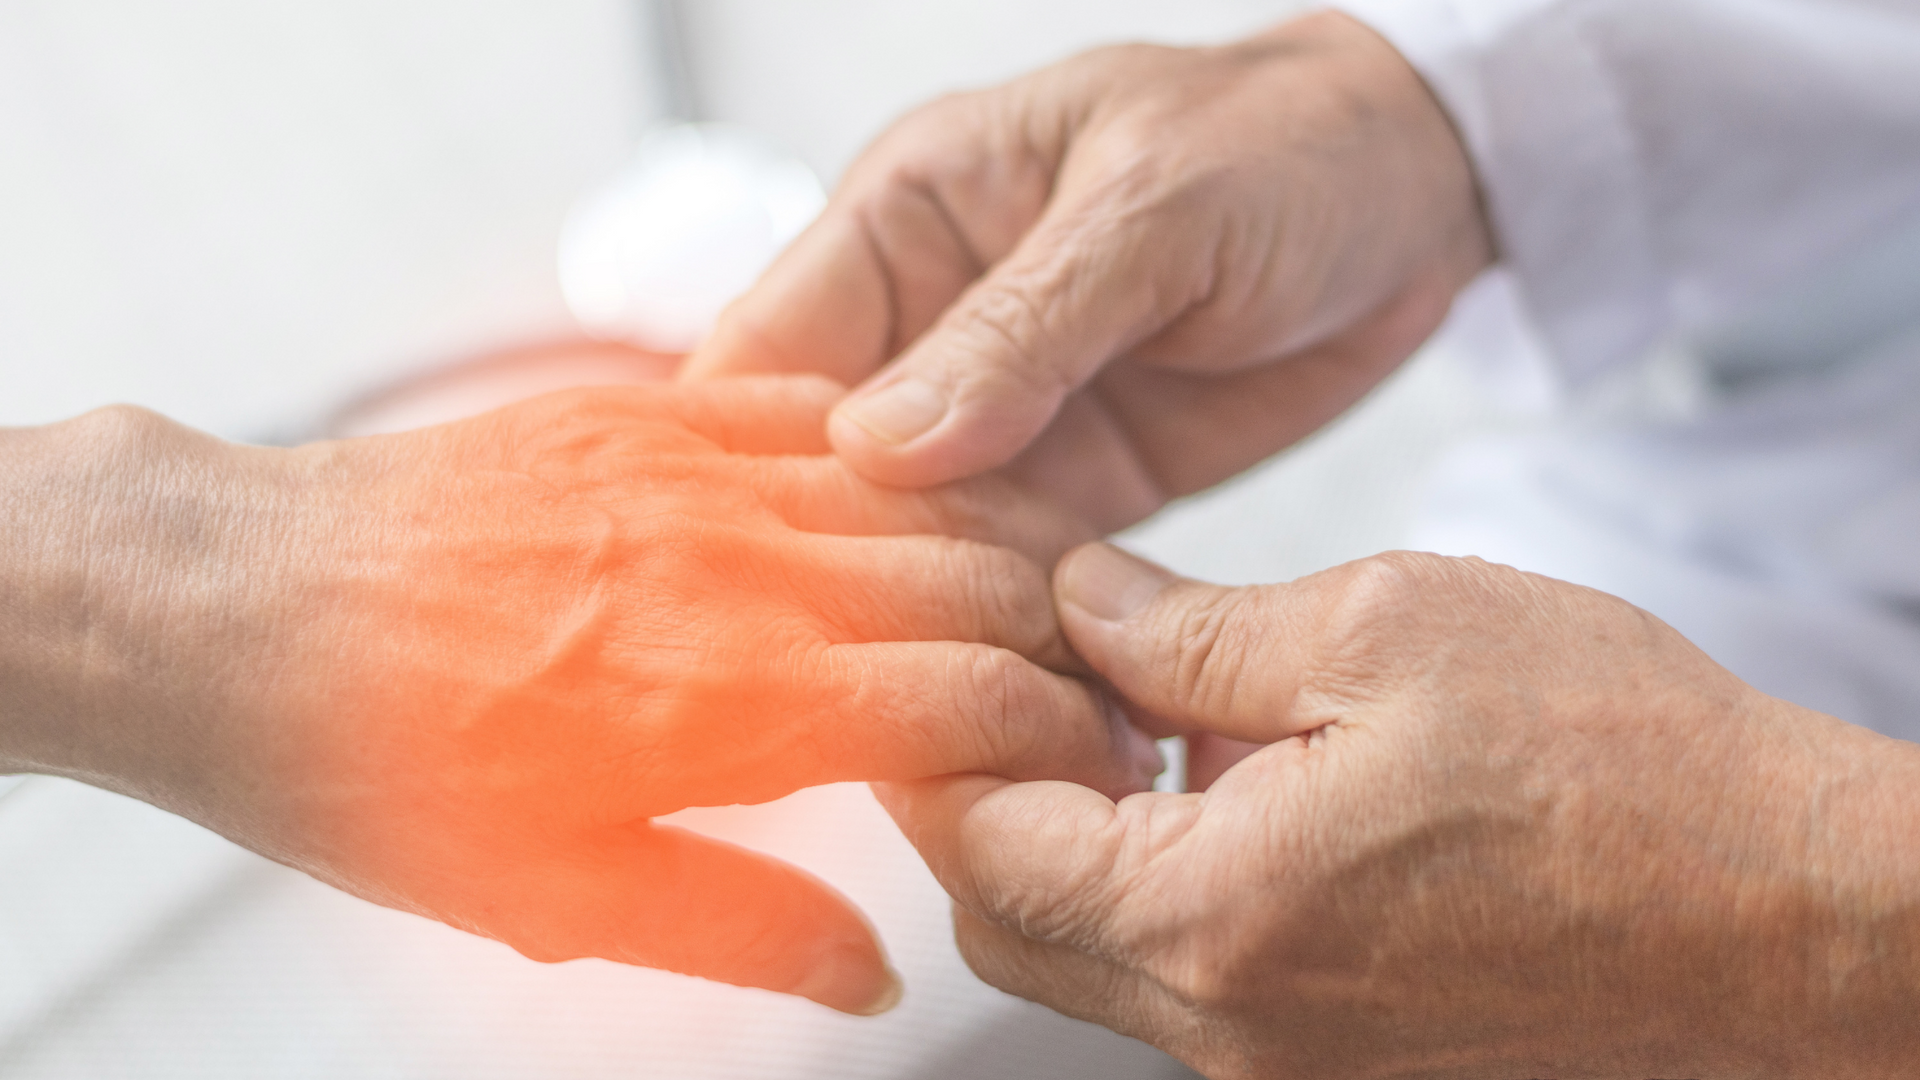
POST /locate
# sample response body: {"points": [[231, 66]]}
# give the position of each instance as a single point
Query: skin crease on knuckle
{"points": [[1006, 697]]}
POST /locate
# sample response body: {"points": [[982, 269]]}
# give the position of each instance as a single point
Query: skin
{"points": [[1462, 821], [456, 671], [1501, 826], [1130, 275]]}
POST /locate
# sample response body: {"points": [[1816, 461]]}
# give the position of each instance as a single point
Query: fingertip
{"points": [[873, 459], [1107, 583], [852, 977], [861, 435], [889, 998], [896, 414], [915, 431]]}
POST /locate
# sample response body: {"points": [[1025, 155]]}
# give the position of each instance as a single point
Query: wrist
{"points": [[107, 520], [43, 654], [1861, 823], [1417, 162], [1817, 907]]}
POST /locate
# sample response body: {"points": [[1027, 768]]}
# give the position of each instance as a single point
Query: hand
{"points": [[456, 671], [1147, 268], [1503, 826]]}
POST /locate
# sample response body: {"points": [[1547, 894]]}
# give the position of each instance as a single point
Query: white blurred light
{"points": [[686, 226]]}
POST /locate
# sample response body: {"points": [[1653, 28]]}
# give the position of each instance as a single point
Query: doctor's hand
{"points": [[1500, 826], [1133, 274], [456, 671]]}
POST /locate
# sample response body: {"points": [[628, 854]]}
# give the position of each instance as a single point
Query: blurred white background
{"points": [[241, 213]]}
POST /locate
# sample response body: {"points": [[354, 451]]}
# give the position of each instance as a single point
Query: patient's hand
{"points": [[456, 671]]}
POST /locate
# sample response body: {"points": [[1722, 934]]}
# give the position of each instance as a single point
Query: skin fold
{"points": [[456, 671], [1130, 275], [1500, 826]]}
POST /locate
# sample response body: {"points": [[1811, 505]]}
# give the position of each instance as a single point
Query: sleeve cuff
{"points": [[1557, 163]]}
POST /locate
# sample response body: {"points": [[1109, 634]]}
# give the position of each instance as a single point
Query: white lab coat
{"points": [[1709, 212]]}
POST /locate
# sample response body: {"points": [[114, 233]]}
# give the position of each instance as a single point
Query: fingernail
{"points": [[899, 413], [845, 977], [1110, 584]]}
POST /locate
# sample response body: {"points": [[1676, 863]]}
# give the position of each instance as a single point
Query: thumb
{"points": [[989, 376], [1230, 661], [662, 897]]}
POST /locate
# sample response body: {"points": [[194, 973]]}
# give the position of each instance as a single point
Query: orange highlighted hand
{"points": [[456, 671]]}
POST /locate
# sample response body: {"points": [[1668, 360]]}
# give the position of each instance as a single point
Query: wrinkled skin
{"points": [[1132, 274], [1500, 826], [456, 671]]}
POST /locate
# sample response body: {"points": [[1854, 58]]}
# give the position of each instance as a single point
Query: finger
{"points": [[1066, 980], [927, 588], [662, 897], [900, 710], [824, 306], [929, 709], [1041, 858], [1039, 874], [759, 416], [1228, 661], [920, 215], [1087, 283], [821, 495]]}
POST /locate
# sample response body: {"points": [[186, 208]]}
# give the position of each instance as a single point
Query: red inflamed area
{"points": [[545, 626]]}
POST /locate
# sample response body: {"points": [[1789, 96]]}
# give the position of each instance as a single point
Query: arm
{"points": [[1503, 826], [456, 671]]}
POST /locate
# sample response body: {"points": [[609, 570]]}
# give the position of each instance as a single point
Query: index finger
{"points": [[923, 212], [824, 306]]}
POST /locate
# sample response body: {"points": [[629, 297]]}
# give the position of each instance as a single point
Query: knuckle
{"points": [[1406, 611], [1015, 606], [1002, 691], [1212, 647], [1385, 587], [1410, 588], [130, 428], [1006, 323]]}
